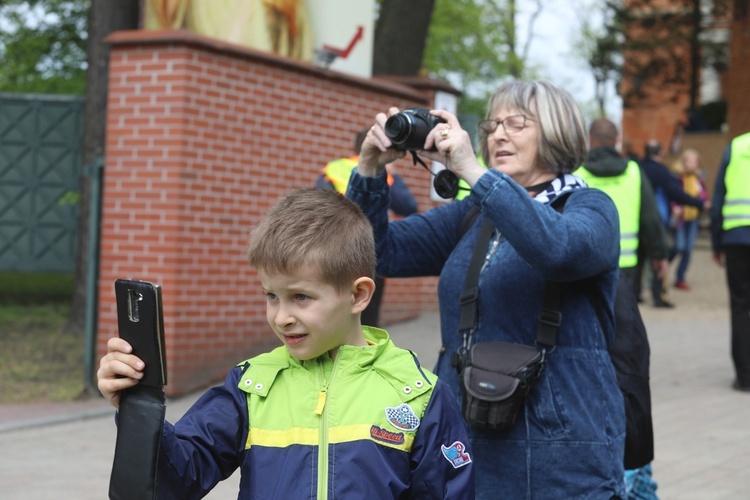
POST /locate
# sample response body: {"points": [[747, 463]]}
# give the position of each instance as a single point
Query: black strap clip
{"points": [[469, 295], [550, 317]]}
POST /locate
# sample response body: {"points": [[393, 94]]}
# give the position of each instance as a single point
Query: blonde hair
{"points": [[678, 166], [315, 227], [562, 144]]}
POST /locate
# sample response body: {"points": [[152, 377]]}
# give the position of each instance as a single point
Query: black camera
{"points": [[408, 129]]}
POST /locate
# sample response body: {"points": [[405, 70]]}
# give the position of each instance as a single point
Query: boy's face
{"points": [[309, 315]]}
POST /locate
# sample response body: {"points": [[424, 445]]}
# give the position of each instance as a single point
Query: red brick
{"points": [[197, 151]]}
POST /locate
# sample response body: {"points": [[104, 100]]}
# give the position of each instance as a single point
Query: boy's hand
{"points": [[118, 370]]}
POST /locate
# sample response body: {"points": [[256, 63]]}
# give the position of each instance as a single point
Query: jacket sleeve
{"points": [[323, 182], [580, 242], [441, 460], [415, 246], [206, 445], [675, 191], [402, 201], [720, 192], [652, 235]]}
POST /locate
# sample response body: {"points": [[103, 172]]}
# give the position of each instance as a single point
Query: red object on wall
{"points": [[202, 137]]}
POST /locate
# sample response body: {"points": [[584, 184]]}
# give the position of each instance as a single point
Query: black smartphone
{"points": [[140, 321]]}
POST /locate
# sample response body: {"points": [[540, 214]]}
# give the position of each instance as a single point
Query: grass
{"points": [[38, 360]]}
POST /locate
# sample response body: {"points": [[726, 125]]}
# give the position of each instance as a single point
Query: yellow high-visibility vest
{"points": [[625, 191], [736, 209], [338, 172]]}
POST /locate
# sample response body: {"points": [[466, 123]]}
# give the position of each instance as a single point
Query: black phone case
{"points": [[141, 323]]}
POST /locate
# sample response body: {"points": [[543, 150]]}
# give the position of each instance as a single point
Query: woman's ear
{"points": [[362, 290]]}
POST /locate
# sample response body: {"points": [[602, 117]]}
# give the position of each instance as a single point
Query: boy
{"points": [[337, 411]]}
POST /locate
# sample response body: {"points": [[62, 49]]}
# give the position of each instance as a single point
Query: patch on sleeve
{"points": [[386, 436], [402, 417], [456, 454]]}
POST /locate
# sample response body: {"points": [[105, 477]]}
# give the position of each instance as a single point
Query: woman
{"points": [[686, 225], [568, 441]]}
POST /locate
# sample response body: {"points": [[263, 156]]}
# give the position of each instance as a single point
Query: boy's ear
{"points": [[362, 290]]}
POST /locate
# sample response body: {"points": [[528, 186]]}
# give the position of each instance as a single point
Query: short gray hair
{"points": [[562, 144]]}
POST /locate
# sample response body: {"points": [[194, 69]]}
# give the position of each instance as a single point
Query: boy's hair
{"points": [[315, 227]]}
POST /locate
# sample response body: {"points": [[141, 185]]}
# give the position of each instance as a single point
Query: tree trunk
{"points": [[401, 36], [105, 17]]}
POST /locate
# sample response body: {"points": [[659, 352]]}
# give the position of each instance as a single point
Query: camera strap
{"points": [[445, 182], [550, 316]]}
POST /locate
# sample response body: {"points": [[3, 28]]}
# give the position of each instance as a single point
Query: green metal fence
{"points": [[40, 169]]}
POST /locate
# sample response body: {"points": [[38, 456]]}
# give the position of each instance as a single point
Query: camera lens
{"points": [[398, 127]]}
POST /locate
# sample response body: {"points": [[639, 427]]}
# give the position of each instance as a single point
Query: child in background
{"points": [[687, 217], [338, 411]]}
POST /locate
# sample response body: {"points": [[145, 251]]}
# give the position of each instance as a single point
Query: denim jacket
{"points": [[569, 441]]}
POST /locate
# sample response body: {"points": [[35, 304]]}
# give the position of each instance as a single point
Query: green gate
{"points": [[40, 168]]}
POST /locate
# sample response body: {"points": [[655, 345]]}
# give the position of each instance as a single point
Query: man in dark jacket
{"points": [[668, 190], [640, 226], [730, 241], [607, 170]]}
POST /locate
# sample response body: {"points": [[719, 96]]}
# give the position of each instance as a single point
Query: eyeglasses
{"points": [[512, 124]]}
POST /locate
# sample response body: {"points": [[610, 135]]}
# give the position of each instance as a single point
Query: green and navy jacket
{"points": [[371, 423]]}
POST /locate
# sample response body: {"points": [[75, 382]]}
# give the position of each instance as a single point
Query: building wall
{"points": [[202, 138], [654, 99], [656, 115], [738, 83]]}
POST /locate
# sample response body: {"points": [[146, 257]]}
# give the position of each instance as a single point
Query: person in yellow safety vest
{"points": [[336, 174], [463, 188], [640, 224], [631, 191], [730, 241]]}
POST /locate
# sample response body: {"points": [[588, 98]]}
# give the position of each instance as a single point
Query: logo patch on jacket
{"points": [[402, 417], [456, 454], [386, 436]]}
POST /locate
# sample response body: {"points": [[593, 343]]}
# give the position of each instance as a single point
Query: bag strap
{"points": [[550, 316], [471, 291]]}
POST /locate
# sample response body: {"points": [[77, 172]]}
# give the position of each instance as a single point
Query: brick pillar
{"points": [[202, 137]]}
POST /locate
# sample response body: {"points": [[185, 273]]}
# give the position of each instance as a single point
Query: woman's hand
{"points": [[376, 149], [118, 370], [451, 145]]}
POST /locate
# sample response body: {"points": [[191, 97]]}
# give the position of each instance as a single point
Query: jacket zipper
{"points": [[493, 246], [322, 410]]}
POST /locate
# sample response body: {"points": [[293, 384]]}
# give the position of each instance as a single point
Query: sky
{"points": [[552, 49]]}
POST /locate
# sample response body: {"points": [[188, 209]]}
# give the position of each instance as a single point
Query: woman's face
{"points": [[690, 163], [515, 153]]}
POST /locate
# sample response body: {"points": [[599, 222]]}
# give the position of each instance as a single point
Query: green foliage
{"points": [[43, 46], [70, 198], [34, 288], [461, 43], [471, 44], [38, 362]]}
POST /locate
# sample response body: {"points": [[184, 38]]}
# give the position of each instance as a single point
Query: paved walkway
{"points": [[702, 429]]}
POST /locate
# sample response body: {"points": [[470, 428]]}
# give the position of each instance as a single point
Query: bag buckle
{"points": [[550, 317], [469, 295]]}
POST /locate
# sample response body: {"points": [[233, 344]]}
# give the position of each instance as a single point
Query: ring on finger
{"points": [[444, 133]]}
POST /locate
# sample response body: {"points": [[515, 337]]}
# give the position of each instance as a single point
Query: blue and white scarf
{"points": [[561, 184]]}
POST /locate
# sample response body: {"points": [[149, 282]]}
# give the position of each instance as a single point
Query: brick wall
{"points": [[654, 99], [202, 137], [738, 83]]}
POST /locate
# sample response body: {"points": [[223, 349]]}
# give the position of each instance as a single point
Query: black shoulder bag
{"points": [[497, 376]]}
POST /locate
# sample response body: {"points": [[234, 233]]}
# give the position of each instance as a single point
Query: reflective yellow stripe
{"points": [[309, 437], [625, 191], [736, 209]]}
